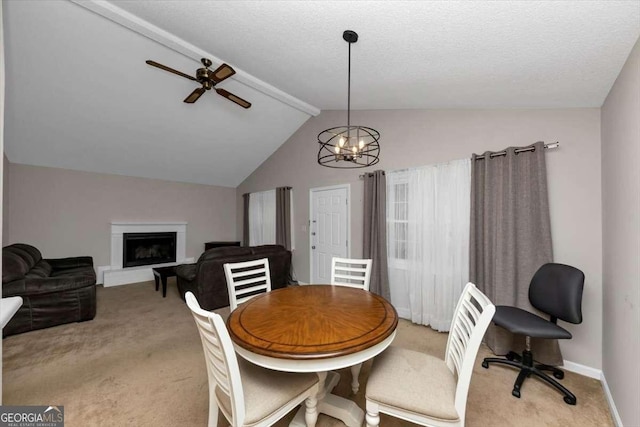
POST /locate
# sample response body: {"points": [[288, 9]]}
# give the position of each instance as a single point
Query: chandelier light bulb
{"points": [[361, 145], [341, 142], [337, 150], [354, 149]]}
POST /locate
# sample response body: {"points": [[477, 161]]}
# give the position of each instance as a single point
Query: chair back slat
{"points": [[470, 322], [353, 273], [222, 366], [246, 280]]}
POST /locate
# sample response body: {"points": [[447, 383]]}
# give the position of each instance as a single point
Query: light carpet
{"points": [[140, 363]]}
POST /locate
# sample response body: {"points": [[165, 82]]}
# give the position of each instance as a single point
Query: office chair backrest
{"points": [[556, 289]]}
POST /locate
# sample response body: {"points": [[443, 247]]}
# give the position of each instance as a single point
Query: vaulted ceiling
{"points": [[80, 96]]}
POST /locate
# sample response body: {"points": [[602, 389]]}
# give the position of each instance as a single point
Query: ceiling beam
{"points": [[165, 38]]}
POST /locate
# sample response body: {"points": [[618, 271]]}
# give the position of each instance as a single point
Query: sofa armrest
{"points": [[74, 262], [46, 285], [186, 271]]}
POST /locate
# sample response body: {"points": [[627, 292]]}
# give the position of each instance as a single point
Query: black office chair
{"points": [[556, 289]]}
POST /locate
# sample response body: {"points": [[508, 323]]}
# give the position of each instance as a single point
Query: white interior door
{"points": [[329, 230]]}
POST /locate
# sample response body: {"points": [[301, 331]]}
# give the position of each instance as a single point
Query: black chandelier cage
{"points": [[349, 147]]}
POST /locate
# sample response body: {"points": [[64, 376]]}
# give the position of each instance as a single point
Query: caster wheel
{"points": [[485, 365], [570, 400], [558, 374], [516, 393]]}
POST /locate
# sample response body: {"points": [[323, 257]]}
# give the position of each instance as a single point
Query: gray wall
{"points": [[621, 239], [421, 137], [5, 199], [67, 213]]}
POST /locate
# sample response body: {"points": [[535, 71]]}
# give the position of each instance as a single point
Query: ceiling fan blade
{"points": [[231, 97], [193, 96], [222, 72], [171, 70]]}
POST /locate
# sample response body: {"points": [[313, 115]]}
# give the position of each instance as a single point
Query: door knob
{"points": [[313, 247]]}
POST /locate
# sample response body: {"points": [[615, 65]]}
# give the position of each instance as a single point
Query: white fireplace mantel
{"points": [[116, 275]]}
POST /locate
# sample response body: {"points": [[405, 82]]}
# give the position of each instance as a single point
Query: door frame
{"points": [[348, 233]]}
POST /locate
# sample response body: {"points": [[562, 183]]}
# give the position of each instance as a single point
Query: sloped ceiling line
{"points": [[146, 29]]}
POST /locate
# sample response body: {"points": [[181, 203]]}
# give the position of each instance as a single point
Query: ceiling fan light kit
{"points": [[208, 79], [349, 147]]}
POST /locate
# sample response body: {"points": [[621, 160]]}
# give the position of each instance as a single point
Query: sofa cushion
{"points": [[30, 254], [14, 267], [41, 269], [225, 251]]}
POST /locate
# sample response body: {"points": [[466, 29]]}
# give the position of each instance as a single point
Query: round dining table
{"points": [[315, 328]]}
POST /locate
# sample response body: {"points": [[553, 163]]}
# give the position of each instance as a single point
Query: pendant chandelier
{"points": [[349, 147]]}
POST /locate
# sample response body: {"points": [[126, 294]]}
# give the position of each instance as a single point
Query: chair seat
{"points": [[523, 322], [415, 382], [266, 391]]}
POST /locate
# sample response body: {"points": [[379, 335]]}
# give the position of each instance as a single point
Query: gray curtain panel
{"points": [[283, 217], [375, 231], [245, 219], [510, 238]]}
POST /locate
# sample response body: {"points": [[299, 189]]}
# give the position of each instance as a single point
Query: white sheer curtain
{"points": [[428, 213], [262, 218]]}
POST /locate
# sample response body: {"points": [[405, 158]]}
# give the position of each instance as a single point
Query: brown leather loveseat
{"points": [[54, 291], [206, 278]]}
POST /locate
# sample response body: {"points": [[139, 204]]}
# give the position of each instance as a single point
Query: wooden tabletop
{"points": [[312, 322]]}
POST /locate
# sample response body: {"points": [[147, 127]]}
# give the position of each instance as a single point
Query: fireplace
{"points": [[148, 248]]}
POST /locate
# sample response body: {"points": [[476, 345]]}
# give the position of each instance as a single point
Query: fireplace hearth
{"points": [[148, 248]]}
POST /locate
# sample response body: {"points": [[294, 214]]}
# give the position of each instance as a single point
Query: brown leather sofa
{"points": [[54, 291], [206, 277]]}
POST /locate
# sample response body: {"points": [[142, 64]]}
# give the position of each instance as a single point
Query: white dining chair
{"points": [[353, 273], [246, 280], [246, 394], [424, 389]]}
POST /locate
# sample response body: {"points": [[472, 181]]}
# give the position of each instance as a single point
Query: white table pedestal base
{"points": [[335, 406]]}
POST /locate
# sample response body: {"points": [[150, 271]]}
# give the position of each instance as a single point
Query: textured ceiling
{"points": [[416, 54], [80, 96]]}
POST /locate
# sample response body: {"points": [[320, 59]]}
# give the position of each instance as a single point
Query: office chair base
{"points": [[527, 368], [558, 373]]}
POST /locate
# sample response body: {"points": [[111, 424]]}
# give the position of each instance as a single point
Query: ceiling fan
{"points": [[209, 79]]}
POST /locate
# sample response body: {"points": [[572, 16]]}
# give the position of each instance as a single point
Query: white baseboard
{"points": [[597, 374], [587, 371], [302, 283], [612, 405], [108, 277]]}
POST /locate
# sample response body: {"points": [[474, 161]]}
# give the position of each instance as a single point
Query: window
{"points": [[398, 220], [262, 218]]}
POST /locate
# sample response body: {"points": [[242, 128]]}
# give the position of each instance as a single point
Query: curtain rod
{"points": [[520, 150], [361, 176]]}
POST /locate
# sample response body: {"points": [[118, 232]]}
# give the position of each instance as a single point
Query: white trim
{"points": [[115, 274], [165, 38], [612, 405], [329, 187], [126, 276], [597, 374], [587, 371]]}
